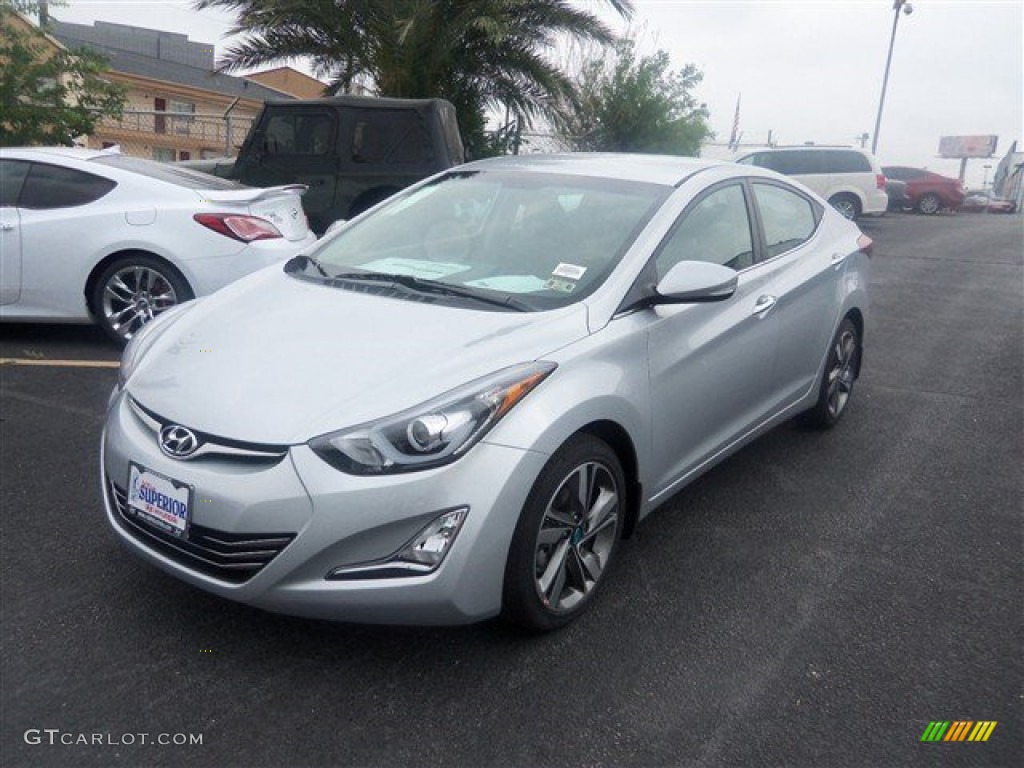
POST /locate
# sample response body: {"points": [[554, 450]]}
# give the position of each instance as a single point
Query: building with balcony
{"points": [[178, 107]]}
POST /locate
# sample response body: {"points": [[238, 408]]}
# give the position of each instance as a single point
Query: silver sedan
{"points": [[459, 403]]}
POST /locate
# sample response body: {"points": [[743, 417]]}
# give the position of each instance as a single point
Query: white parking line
{"points": [[60, 363]]}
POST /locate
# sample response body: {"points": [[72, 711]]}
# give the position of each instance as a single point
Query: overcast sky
{"points": [[808, 70]]}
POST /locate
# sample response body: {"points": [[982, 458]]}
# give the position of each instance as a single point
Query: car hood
{"points": [[275, 359]]}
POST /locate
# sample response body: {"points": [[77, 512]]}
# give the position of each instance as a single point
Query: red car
{"points": [[928, 192], [980, 201]]}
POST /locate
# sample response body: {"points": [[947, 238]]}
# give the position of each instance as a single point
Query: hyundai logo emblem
{"points": [[178, 442]]}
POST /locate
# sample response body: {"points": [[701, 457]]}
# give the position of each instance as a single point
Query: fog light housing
{"points": [[432, 543], [423, 553]]}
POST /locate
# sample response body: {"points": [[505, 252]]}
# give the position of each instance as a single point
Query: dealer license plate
{"points": [[159, 501]]}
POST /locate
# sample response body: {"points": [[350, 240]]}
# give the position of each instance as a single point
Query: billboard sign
{"points": [[967, 146]]}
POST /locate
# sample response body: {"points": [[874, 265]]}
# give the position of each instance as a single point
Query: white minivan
{"points": [[849, 178]]}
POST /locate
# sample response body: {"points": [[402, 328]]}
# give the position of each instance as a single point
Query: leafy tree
{"points": [[49, 96], [479, 54], [625, 102]]}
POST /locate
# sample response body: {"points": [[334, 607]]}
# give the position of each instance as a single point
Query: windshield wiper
{"points": [[422, 285], [301, 261]]}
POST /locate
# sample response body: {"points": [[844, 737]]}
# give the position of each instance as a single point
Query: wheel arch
{"points": [[857, 318], [619, 441], [110, 258], [849, 189]]}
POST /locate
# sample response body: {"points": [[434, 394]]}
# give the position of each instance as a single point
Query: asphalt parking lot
{"points": [[816, 600]]}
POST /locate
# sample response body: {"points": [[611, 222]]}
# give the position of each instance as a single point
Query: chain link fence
{"points": [[172, 136]]}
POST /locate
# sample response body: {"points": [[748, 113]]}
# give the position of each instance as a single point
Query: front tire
{"points": [[134, 289], [841, 371], [566, 537]]}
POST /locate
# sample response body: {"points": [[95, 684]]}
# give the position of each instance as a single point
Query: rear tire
{"points": [[134, 289], [566, 537], [929, 204], [847, 205], [841, 370]]}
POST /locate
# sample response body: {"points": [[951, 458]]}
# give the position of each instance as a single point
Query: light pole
{"points": [[897, 6]]}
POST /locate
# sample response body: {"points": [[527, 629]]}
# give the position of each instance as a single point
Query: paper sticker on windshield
{"points": [[562, 286], [429, 270], [570, 271], [510, 283]]}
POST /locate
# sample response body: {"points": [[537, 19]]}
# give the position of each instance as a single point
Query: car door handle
{"points": [[838, 258], [763, 305], [6, 227]]}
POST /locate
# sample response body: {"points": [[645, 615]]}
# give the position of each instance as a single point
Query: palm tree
{"points": [[479, 54]]}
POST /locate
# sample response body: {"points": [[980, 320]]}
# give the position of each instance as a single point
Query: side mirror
{"points": [[696, 281]]}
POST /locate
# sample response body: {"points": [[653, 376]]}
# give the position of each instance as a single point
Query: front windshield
{"points": [[538, 240]]}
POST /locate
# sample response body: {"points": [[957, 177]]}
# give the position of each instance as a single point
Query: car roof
{"points": [[668, 170], [810, 148], [43, 153]]}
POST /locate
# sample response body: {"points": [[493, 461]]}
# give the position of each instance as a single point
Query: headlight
{"points": [[432, 434], [143, 339]]}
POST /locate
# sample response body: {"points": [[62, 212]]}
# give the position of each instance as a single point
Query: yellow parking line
{"points": [[61, 363]]}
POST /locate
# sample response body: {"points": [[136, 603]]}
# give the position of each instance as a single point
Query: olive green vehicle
{"points": [[350, 151]]}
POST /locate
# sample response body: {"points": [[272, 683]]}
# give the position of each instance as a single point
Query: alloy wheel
{"points": [[929, 204], [133, 296], [577, 534], [842, 373], [846, 207]]}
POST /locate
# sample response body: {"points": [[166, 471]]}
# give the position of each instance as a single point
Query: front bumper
{"points": [[302, 518]]}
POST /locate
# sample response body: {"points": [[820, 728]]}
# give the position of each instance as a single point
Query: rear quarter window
{"points": [[391, 137], [51, 186]]}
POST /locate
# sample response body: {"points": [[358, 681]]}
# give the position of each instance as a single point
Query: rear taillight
{"points": [[238, 227], [865, 245], [879, 181]]}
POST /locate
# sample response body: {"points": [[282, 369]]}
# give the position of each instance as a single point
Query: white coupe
{"points": [[89, 235]]}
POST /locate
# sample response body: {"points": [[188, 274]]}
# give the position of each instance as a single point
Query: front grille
{"points": [[211, 446], [232, 557]]}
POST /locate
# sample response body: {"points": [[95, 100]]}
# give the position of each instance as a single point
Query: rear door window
{"points": [[841, 161], [51, 186], [798, 162], [787, 217]]}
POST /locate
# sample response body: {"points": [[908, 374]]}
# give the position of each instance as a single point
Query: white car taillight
{"points": [[238, 227]]}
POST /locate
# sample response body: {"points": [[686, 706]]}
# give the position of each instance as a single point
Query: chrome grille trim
{"points": [[230, 557], [210, 445]]}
